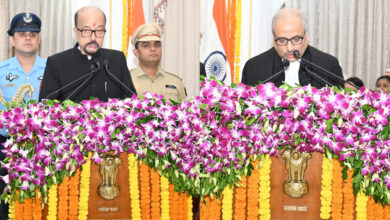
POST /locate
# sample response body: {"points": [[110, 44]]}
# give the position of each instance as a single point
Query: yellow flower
{"points": [[52, 203], [265, 189], [326, 188], [84, 189], [227, 203], [133, 184], [164, 198], [361, 206]]}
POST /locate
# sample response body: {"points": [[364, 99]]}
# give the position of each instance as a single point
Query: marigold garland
{"points": [[204, 208], [215, 208], [189, 207], [84, 190], [63, 199], [133, 185], [349, 198], [337, 190], [265, 188], [27, 211], [37, 206], [184, 204], [378, 211], [74, 192], [361, 206], [253, 193], [18, 213], [386, 212], [52, 203], [11, 210], [145, 191], [326, 188], [240, 199], [155, 194], [227, 203], [173, 202], [370, 208], [164, 198]]}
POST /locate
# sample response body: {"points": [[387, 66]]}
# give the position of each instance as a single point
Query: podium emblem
{"points": [[296, 163], [109, 168]]}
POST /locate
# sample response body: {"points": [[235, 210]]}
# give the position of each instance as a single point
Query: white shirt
{"points": [[292, 73]]}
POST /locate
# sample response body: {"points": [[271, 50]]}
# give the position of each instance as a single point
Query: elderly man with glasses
{"points": [[87, 70], [290, 40]]}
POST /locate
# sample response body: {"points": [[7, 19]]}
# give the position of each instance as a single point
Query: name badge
{"points": [[170, 86]]}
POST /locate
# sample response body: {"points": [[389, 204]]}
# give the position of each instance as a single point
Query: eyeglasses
{"points": [[88, 33], [296, 40], [25, 34]]}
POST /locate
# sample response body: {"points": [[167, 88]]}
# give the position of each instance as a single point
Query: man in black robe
{"points": [[88, 62], [289, 34]]}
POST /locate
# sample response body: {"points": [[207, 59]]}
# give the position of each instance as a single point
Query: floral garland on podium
{"points": [[202, 144]]}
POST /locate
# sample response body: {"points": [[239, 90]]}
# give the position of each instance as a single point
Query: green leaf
{"points": [[345, 174], [250, 121], [329, 124], [385, 132], [69, 103]]}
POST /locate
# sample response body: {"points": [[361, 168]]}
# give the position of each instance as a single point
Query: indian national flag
{"points": [[137, 19], [214, 50]]}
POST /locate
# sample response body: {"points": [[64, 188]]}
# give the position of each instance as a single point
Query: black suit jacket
{"points": [[263, 66], [67, 66]]}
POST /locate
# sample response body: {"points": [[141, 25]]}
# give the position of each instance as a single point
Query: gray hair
{"points": [[287, 12]]}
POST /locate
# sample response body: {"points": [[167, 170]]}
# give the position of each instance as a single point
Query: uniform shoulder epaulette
{"points": [[171, 74], [4, 63]]}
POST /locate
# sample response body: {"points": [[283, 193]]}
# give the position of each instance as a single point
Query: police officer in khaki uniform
{"points": [[148, 76]]}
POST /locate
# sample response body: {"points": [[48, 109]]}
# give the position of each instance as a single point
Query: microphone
{"points": [[105, 63], [285, 64], [94, 68], [296, 55]]}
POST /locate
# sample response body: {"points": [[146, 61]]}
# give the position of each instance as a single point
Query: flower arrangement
{"points": [[205, 143]]}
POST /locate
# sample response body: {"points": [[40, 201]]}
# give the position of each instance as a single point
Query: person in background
{"points": [[21, 75], [383, 83], [89, 62], [148, 76], [354, 80]]}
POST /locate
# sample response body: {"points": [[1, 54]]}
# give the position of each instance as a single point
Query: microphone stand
{"points": [[82, 84], [286, 63], [89, 75], [105, 62], [296, 54], [311, 72]]}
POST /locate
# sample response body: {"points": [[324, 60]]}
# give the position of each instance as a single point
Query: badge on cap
{"points": [[27, 18]]}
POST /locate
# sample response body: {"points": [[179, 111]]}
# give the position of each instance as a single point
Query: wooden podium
{"points": [[282, 205], [286, 207], [243, 204]]}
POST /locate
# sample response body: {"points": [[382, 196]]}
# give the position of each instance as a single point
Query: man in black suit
{"points": [[66, 67], [289, 34]]}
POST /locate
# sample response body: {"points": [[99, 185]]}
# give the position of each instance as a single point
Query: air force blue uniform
{"points": [[12, 76]]}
